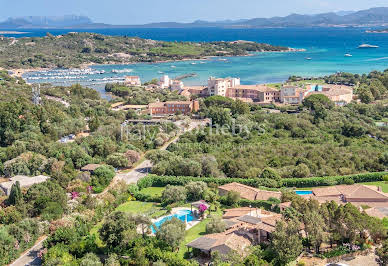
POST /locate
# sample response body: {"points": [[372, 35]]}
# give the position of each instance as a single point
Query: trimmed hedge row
{"points": [[147, 198], [161, 181]]}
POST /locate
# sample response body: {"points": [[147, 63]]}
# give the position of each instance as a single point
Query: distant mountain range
{"points": [[45, 22], [371, 17]]}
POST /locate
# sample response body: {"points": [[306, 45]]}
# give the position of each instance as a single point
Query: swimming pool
{"points": [[183, 215], [303, 192]]}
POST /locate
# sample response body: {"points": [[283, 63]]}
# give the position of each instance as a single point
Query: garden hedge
{"points": [[161, 181]]}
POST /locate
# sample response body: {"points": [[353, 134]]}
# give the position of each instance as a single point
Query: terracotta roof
{"points": [[132, 106], [258, 87], [90, 167], [378, 212], [249, 219], [250, 193], [336, 87], [351, 191], [266, 227], [195, 87], [162, 104], [223, 242], [271, 220], [331, 92], [116, 104], [236, 212], [367, 193], [326, 191], [245, 100]]}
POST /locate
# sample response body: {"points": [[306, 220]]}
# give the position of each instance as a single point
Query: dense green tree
{"points": [[232, 198], [270, 174], [365, 94], [318, 104], [286, 242], [115, 229], [173, 194], [172, 232], [238, 107], [220, 117], [15, 196], [90, 259], [315, 229], [196, 190], [117, 160]]}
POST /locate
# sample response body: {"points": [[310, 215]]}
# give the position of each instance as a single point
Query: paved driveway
{"points": [[31, 256]]}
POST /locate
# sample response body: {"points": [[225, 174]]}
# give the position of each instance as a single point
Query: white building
{"points": [[177, 85], [219, 86], [132, 80], [292, 94], [164, 82]]}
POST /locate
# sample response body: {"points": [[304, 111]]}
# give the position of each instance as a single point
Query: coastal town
{"points": [[260, 94]]}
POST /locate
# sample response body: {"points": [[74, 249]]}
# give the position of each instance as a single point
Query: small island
{"points": [[79, 49], [12, 32], [377, 31]]}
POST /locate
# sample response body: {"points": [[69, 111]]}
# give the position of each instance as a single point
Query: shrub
{"points": [[102, 176], [52, 211], [172, 232], [173, 194], [215, 225], [232, 198], [117, 160], [132, 156], [196, 190]]}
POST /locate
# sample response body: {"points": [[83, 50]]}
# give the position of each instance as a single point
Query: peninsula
{"points": [[77, 49]]}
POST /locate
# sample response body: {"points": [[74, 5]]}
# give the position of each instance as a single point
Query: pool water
{"points": [[303, 192], [184, 215]]}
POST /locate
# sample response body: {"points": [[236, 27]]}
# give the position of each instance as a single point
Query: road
{"points": [[144, 168], [135, 174], [30, 257]]}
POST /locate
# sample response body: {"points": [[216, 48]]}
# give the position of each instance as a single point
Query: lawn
{"points": [[138, 207], [153, 191]]}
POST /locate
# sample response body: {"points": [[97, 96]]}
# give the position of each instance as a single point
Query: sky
{"points": [[127, 12]]}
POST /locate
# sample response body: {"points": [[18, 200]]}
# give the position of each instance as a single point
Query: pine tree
{"points": [[16, 196]]}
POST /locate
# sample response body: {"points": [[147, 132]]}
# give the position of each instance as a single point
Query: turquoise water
{"points": [[325, 46], [303, 192], [184, 215]]}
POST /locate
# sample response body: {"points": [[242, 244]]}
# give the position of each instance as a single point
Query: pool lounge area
{"points": [[185, 215]]}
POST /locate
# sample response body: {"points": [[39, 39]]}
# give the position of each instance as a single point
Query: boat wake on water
{"points": [[377, 59], [125, 70]]}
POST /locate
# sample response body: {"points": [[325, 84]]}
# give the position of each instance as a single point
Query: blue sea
{"points": [[325, 46]]}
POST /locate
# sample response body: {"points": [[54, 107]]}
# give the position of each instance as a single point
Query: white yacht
{"points": [[367, 46]]}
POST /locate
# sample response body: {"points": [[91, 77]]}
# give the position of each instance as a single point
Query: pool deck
{"points": [[175, 211]]}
